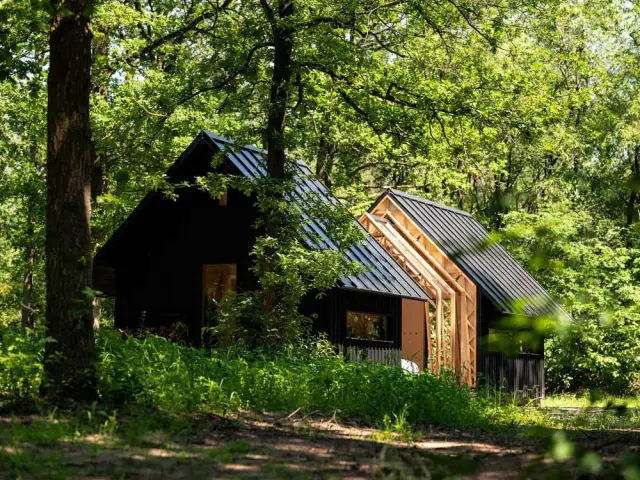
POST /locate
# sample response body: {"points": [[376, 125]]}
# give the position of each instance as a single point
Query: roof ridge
{"points": [[433, 203], [220, 138]]}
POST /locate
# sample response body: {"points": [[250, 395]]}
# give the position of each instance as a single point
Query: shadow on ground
{"points": [[256, 446]]}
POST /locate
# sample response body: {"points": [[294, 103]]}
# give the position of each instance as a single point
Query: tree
{"points": [[22, 190], [69, 357]]}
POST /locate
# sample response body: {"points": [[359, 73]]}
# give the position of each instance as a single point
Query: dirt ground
{"points": [[277, 446]]}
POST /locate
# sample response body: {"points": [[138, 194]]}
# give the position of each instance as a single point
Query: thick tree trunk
{"points": [[69, 360], [276, 152], [280, 83]]}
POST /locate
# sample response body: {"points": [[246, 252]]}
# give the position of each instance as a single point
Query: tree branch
{"points": [[268, 11], [179, 34], [300, 86]]}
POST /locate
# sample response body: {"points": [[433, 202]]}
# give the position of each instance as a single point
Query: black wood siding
{"points": [[331, 312], [159, 270], [520, 375]]}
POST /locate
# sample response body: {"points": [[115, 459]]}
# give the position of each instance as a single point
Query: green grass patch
{"points": [[153, 372], [595, 399]]}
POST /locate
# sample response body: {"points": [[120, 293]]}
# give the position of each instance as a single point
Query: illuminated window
{"points": [[217, 280], [368, 326]]}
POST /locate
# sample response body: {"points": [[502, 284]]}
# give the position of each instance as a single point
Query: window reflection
{"points": [[367, 326]]}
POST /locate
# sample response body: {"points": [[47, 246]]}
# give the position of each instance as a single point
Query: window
{"points": [[216, 281], [368, 326]]}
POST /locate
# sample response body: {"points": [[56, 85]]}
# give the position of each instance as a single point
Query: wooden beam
{"points": [[428, 346], [410, 260], [407, 245], [463, 331]]}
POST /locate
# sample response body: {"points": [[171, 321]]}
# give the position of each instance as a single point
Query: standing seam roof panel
{"points": [[488, 267], [491, 267], [440, 230], [383, 274], [357, 253], [361, 253]]}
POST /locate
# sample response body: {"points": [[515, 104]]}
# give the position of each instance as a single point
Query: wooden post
{"points": [[454, 332], [428, 346]]}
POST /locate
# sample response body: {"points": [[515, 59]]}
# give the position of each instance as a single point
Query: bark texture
{"points": [[280, 84], [28, 310], [69, 361], [325, 160], [279, 18]]}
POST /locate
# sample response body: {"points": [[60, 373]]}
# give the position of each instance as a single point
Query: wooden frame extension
{"points": [[451, 316]]}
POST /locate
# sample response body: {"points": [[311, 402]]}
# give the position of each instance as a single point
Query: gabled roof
{"points": [[381, 274], [464, 240]]}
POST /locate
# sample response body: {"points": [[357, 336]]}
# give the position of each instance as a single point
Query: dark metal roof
{"points": [[463, 239], [382, 274]]}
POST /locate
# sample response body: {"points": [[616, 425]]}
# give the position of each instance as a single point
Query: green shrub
{"points": [[586, 262], [592, 356], [153, 371], [20, 364]]}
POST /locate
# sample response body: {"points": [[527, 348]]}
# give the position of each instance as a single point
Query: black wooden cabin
{"points": [[172, 257]]}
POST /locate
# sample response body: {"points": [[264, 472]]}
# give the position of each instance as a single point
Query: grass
{"points": [[87, 442], [64, 444], [601, 400], [46, 446], [167, 408], [151, 371]]}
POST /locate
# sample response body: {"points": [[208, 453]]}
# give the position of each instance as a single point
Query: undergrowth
{"points": [[152, 371]]}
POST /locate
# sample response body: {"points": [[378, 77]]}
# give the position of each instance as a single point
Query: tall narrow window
{"points": [[216, 281], [368, 326]]}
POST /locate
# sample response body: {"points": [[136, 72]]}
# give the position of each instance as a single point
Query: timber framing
{"points": [[451, 317]]}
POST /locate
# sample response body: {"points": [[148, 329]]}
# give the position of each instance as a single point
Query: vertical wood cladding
{"points": [[159, 263], [331, 315], [522, 374]]}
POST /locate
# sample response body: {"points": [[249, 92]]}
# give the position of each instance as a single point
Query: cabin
{"points": [[175, 257], [486, 312], [432, 290]]}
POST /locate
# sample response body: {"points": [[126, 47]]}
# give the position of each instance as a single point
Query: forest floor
{"points": [[157, 445]]}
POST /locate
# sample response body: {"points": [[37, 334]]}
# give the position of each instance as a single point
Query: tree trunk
{"points": [[99, 163], [632, 202], [276, 153], [100, 86], [69, 360], [28, 311], [324, 163], [280, 83]]}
